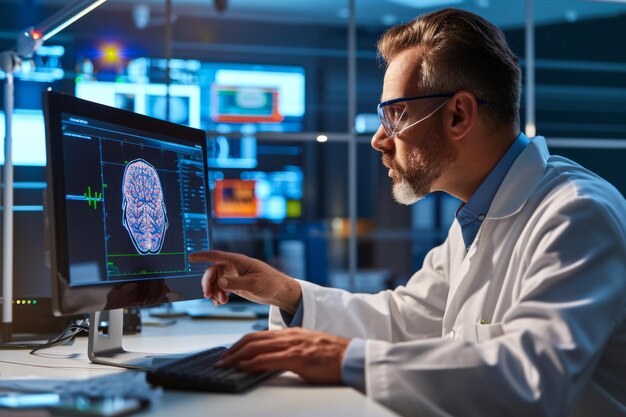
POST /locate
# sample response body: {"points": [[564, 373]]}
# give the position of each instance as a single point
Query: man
{"points": [[521, 311]]}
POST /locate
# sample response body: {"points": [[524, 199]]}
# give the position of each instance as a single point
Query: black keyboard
{"points": [[197, 373]]}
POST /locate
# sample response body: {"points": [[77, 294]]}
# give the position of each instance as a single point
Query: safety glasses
{"points": [[402, 113]]}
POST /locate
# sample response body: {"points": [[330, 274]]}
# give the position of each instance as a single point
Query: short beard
{"points": [[404, 193], [422, 166]]}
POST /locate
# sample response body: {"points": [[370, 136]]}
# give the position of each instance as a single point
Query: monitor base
{"points": [[106, 349]]}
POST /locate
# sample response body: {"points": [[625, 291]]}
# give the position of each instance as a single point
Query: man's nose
{"points": [[380, 141]]}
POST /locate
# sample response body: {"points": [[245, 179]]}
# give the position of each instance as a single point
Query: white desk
{"points": [[286, 395]]}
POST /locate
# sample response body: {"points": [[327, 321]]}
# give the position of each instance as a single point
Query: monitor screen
{"points": [[271, 97], [269, 188], [128, 204], [148, 99], [28, 138]]}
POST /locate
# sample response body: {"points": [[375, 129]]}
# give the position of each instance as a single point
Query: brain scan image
{"points": [[143, 208]]}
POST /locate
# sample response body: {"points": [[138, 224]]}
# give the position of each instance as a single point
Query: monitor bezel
{"points": [[73, 300]]}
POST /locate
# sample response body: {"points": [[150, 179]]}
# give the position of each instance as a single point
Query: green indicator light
{"points": [[34, 301]]}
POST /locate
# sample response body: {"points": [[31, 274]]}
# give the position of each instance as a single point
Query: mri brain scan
{"points": [[144, 214]]}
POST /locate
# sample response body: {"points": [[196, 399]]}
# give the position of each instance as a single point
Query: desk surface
{"points": [[286, 395]]}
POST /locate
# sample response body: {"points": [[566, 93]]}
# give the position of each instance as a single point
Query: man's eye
{"points": [[396, 112]]}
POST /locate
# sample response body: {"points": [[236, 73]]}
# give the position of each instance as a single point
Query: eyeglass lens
{"points": [[397, 117]]}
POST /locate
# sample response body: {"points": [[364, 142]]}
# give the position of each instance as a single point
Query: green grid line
{"points": [[147, 273], [117, 255]]}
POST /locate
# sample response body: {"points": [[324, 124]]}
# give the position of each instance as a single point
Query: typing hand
{"points": [[247, 277], [315, 356]]}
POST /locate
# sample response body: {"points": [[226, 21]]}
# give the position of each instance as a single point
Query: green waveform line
{"points": [[92, 199], [112, 269]]}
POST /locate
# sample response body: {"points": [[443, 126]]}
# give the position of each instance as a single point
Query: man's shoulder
{"points": [[572, 180], [567, 188]]}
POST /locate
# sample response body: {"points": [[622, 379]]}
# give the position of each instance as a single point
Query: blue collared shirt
{"points": [[470, 216]]}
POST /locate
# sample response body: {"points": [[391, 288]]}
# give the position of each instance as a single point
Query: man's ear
{"points": [[462, 114]]}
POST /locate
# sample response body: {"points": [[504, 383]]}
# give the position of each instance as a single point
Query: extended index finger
{"points": [[215, 256]]}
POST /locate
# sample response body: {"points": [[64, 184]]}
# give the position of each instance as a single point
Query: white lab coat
{"points": [[547, 274]]}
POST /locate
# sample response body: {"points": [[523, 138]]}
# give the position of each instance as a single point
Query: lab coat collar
{"points": [[521, 181]]}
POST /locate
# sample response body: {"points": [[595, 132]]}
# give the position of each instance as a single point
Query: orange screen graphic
{"points": [[235, 199]]}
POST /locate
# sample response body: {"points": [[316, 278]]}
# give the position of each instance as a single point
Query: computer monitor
{"points": [[127, 202]]}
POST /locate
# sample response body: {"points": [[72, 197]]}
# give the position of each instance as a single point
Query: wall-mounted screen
{"points": [[148, 99], [271, 97], [272, 190], [28, 132], [226, 152], [245, 104]]}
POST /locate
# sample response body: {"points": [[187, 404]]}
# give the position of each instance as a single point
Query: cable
{"points": [[69, 333], [73, 330], [37, 346]]}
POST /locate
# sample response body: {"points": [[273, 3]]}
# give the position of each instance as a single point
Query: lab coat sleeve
{"points": [[406, 313], [538, 359]]}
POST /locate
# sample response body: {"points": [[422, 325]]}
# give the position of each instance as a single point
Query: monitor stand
{"points": [[106, 349]]}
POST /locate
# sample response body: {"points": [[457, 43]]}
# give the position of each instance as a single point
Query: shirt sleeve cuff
{"points": [[296, 319], [353, 366]]}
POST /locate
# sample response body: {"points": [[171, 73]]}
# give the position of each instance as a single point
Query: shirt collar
{"points": [[479, 202], [522, 180], [471, 214]]}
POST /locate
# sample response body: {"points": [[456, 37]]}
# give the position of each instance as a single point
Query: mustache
{"points": [[387, 160]]}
